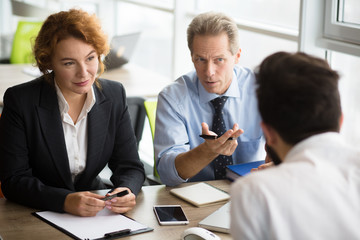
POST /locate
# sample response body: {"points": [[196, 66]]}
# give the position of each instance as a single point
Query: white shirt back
{"points": [[313, 194]]}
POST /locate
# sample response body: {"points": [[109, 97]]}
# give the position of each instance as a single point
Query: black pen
{"points": [[119, 194], [111, 190], [204, 136], [117, 233]]}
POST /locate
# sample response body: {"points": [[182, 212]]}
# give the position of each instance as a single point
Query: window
{"points": [[348, 68], [349, 12], [342, 22], [270, 12], [262, 29], [334, 26], [154, 49]]}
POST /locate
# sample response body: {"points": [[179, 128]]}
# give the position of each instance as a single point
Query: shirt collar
{"points": [[232, 91], [314, 143], [64, 106], [90, 99]]}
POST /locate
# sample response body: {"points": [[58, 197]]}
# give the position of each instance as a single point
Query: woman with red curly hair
{"points": [[60, 130]]}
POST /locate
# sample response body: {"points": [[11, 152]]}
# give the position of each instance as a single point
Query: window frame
{"points": [[315, 15], [333, 29]]}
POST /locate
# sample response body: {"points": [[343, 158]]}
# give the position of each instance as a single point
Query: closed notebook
{"points": [[238, 170], [219, 220], [200, 194]]}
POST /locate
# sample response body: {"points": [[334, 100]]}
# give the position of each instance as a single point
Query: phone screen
{"points": [[170, 214]]}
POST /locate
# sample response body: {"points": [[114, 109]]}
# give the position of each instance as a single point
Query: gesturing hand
{"points": [[222, 145]]}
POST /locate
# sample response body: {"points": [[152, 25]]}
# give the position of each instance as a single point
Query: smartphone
{"points": [[170, 215]]}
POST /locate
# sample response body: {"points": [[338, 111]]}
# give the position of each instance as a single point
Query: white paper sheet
{"points": [[91, 227]]}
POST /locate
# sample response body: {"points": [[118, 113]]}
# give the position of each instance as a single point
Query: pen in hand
{"points": [[119, 194], [204, 136]]}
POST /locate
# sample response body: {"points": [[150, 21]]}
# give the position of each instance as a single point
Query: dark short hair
{"points": [[62, 25], [214, 24], [298, 95]]}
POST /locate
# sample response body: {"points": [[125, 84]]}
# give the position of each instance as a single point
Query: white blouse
{"points": [[75, 134]]}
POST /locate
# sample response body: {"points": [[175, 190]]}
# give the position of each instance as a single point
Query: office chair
{"points": [[1, 194], [150, 106], [137, 115], [25, 35]]}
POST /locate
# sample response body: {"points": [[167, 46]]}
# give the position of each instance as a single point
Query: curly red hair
{"points": [[62, 25]]}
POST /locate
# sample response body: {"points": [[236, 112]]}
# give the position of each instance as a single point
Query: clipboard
{"points": [[93, 228]]}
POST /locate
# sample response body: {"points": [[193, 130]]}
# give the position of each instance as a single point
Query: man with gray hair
{"points": [[219, 94]]}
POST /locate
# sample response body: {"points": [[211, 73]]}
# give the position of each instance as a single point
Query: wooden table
{"points": [[137, 81], [16, 221]]}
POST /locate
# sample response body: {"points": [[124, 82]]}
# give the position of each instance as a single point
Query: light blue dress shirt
{"points": [[185, 104]]}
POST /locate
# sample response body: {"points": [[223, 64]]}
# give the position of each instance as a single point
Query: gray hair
{"points": [[214, 23]]}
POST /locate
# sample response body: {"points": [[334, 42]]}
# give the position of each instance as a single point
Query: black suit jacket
{"points": [[34, 166]]}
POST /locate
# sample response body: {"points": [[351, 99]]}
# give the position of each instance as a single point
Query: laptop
{"points": [[121, 49], [219, 220]]}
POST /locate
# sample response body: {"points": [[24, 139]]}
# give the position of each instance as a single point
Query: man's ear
{"points": [[270, 134], [237, 56]]}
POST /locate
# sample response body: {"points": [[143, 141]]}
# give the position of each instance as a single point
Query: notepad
{"points": [[219, 220], [200, 194], [91, 227]]}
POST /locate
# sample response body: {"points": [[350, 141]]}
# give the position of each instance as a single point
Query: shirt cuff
{"points": [[167, 170]]}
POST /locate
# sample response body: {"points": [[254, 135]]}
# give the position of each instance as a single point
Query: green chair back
{"points": [[25, 35], [150, 107]]}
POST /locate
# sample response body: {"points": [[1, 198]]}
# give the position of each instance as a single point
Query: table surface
{"points": [[137, 81], [17, 222]]}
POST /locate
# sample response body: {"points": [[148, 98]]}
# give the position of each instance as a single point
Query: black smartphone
{"points": [[170, 215]]}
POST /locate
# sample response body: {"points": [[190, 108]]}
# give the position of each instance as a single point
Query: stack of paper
{"points": [[200, 194]]}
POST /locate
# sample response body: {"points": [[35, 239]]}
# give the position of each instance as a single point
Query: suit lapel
{"points": [[52, 131]]}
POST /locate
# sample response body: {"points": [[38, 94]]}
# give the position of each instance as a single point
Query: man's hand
{"points": [[121, 204], [263, 166], [222, 145], [190, 163], [85, 204], [268, 163]]}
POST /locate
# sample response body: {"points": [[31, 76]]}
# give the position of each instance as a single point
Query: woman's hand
{"points": [[121, 204], [85, 204]]}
